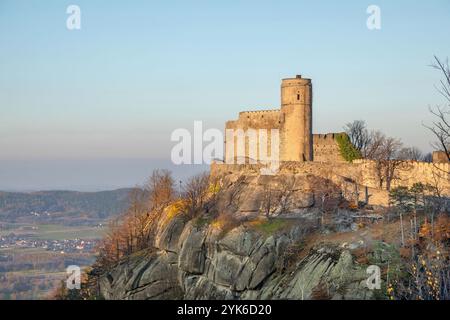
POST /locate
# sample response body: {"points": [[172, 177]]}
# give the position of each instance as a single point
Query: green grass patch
{"points": [[271, 226], [58, 232], [55, 232]]}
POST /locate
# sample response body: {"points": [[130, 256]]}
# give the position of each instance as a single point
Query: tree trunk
{"points": [[401, 226], [366, 194]]}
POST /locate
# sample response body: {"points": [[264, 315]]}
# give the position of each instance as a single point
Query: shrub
{"points": [[201, 221], [347, 149], [174, 209]]}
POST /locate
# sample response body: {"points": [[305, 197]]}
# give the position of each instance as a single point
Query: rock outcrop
{"points": [[191, 260]]}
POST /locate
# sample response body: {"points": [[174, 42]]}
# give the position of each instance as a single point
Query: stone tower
{"points": [[296, 109]]}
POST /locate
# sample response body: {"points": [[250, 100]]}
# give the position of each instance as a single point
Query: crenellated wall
{"points": [[253, 124], [326, 148], [263, 119]]}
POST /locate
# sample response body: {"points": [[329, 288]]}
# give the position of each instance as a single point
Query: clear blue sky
{"points": [[139, 69]]}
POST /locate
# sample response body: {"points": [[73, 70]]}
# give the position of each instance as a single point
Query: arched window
{"points": [[298, 96]]}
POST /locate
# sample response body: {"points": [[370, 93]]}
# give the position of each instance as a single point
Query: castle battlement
{"points": [[259, 112], [326, 136]]}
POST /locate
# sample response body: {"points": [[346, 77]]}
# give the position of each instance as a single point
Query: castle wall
{"points": [[298, 147], [293, 122], [409, 173], [440, 157], [359, 174], [255, 120], [326, 148], [263, 119]]}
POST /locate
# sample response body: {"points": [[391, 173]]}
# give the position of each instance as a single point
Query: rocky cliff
{"points": [[241, 256], [244, 248]]}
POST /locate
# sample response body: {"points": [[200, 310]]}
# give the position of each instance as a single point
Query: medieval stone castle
{"points": [[303, 153], [294, 122]]}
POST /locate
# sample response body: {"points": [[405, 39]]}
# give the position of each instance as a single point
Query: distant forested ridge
{"points": [[62, 206]]}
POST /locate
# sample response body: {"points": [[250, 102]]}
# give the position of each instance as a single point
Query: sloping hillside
{"points": [[62, 206]]}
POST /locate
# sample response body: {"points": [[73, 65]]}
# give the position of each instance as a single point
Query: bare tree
{"points": [[411, 153], [385, 151], [377, 140], [160, 187], [134, 230], [441, 124], [195, 192], [271, 200], [135, 219], [359, 135], [391, 160], [441, 129], [287, 191], [444, 87], [428, 157]]}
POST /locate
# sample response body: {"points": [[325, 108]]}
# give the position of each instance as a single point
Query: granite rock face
{"points": [[200, 262]]}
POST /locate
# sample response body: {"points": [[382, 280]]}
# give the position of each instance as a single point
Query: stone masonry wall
{"points": [[359, 174], [435, 174], [326, 149], [265, 119]]}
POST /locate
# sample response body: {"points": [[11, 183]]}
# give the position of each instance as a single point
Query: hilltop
{"points": [[65, 207], [249, 236]]}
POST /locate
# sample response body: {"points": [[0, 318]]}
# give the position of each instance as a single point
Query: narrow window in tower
{"points": [[298, 96]]}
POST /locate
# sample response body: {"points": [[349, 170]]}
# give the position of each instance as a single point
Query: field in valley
{"points": [[34, 257]]}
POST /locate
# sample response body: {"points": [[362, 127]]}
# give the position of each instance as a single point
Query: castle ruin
{"points": [[302, 153], [294, 123]]}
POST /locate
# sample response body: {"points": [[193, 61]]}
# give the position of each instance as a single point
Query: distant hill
{"points": [[68, 207]]}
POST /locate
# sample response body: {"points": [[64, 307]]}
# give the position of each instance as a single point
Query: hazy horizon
{"points": [[85, 175]]}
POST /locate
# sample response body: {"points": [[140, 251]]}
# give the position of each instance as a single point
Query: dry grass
{"points": [[360, 255], [172, 210], [225, 223]]}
